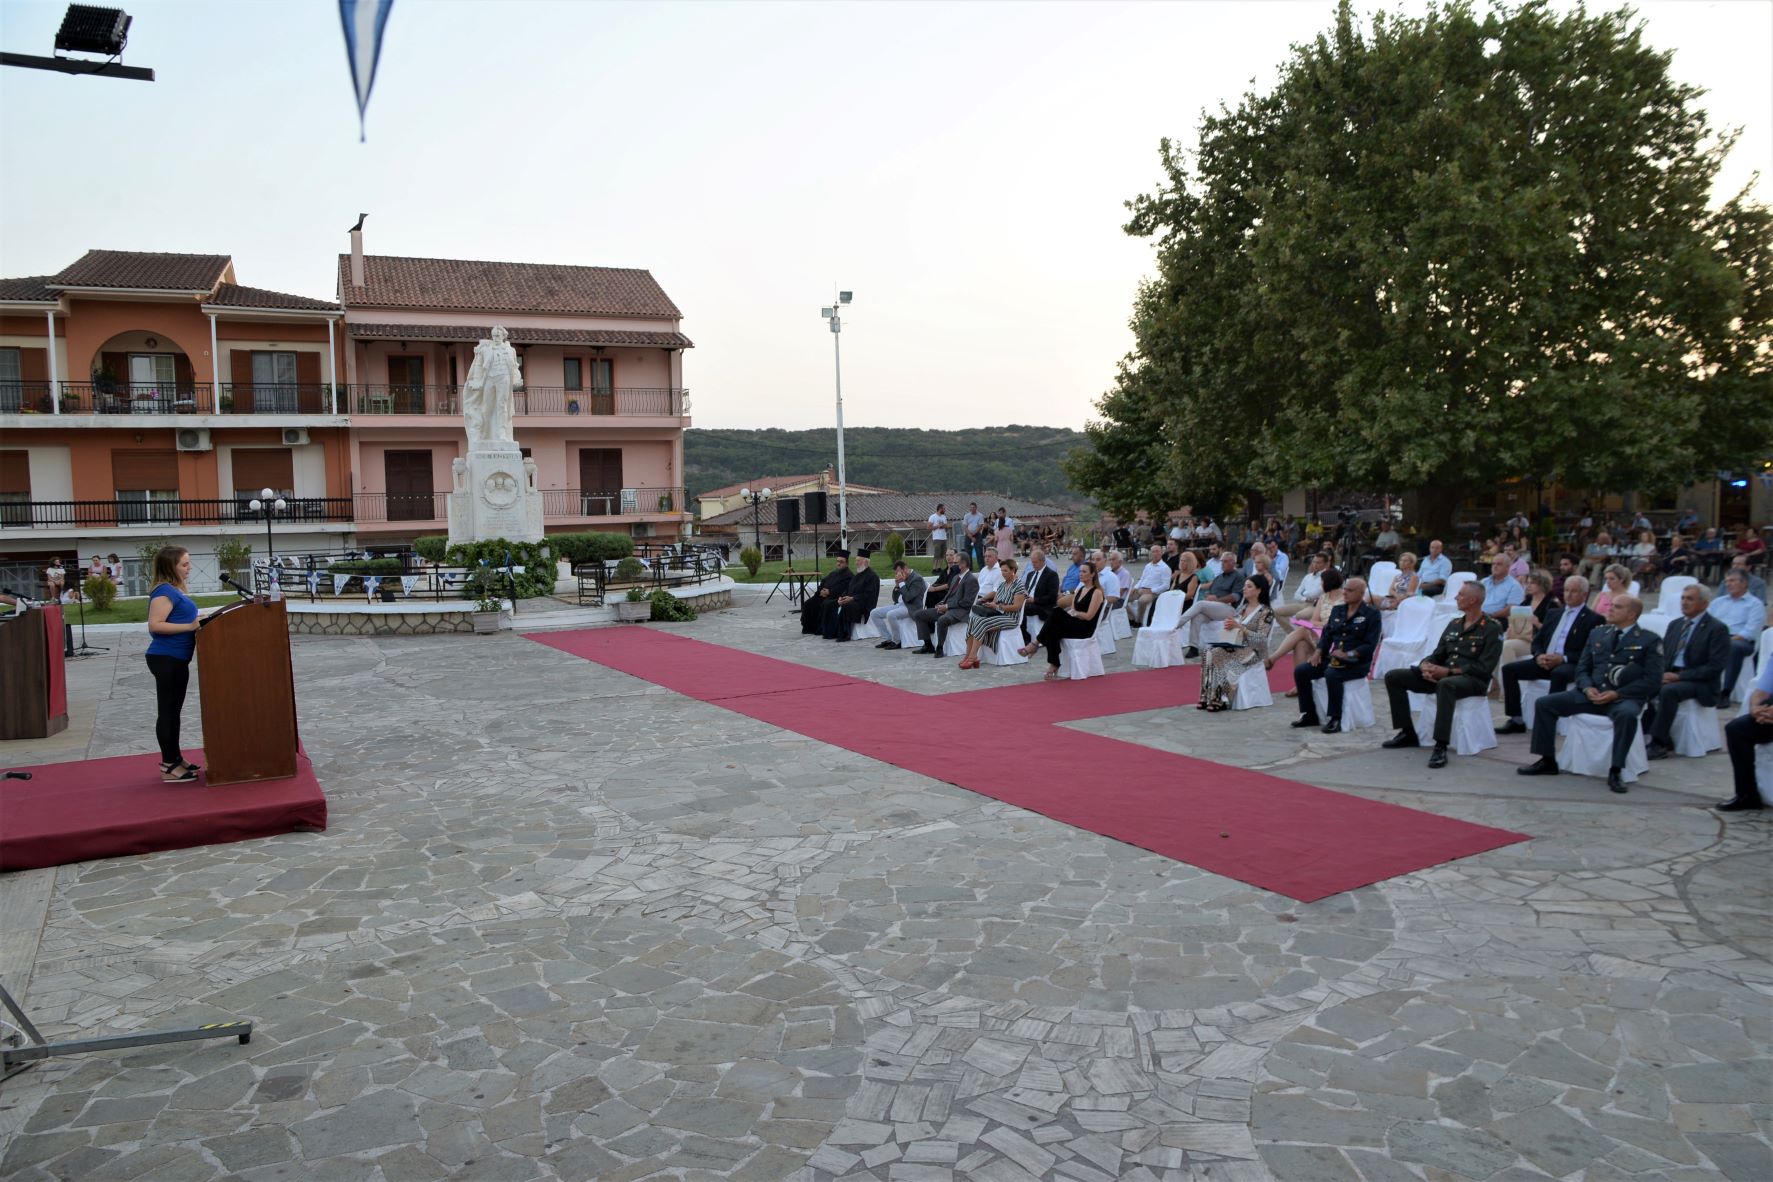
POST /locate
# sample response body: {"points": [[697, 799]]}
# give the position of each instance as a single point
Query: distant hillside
{"points": [[1017, 461]]}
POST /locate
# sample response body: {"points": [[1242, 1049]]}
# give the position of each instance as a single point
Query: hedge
{"points": [[431, 548], [536, 559], [577, 548], [366, 566]]}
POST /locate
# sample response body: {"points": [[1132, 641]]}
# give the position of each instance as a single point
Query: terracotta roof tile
{"points": [[910, 510], [147, 271], [782, 482], [474, 285], [31, 287], [521, 335], [232, 295]]}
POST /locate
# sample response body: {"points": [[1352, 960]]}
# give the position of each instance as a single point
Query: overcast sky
{"points": [[961, 167]]}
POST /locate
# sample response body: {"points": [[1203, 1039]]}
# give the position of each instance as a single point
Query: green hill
{"points": [[1016, 461]]}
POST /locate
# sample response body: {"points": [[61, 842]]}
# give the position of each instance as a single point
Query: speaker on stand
{"points": [[787, 522], [815, 517]]}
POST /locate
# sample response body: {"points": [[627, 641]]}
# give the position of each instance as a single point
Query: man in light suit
{"points": [[1620, 670], [1697, 646], [1041, 584], [908, 590], [1557, 646], [955, 607]]}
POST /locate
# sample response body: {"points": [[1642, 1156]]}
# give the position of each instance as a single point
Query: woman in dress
{"points": [[993, 613], [172, 624], [1403, 584], [1006, 538], [1245, 643], [1187, 578], [1522, 628], [1618, 582], [1074, 620], [1301, 642]]}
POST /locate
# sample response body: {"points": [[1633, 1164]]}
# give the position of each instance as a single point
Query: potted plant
{"points": [[489, 608], [637, 606]]}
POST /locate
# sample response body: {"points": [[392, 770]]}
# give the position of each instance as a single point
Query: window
{"points": [[15, 487], [12, 376], [138, 506], [603, 386], [259, 468], [575, 373], [274, 382]]}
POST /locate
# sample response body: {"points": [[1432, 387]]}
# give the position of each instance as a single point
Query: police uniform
{"points": [[1356, 634], [1626, 661], [1471, 654]]}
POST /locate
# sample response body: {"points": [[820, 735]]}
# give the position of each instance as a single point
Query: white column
{"points": [[55, 384], [215, 370], [332, 376]]}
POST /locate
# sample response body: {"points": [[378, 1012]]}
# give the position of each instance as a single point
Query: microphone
{"points": [[238, 589]]}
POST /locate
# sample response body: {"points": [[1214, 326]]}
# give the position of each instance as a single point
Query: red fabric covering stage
{"points": [[1290, 838], [102, 808]]}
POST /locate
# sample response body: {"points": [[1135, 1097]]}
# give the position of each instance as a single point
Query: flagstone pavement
{"points": [[566, 924]]}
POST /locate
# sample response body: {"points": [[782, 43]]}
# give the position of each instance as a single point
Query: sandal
{"points": [[185, 763], [1053, 675], [1292, 693], [177, 773], [1028, 650]]}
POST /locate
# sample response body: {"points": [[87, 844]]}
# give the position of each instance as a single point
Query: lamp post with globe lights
{"points": [[268, 503], [834, 318], [756, 500]]}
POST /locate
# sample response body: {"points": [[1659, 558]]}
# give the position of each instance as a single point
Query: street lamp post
{"points": [[833, 317], [267, 503], [756, 500]]}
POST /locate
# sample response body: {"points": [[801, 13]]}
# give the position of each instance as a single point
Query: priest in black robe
{"points": [[855, 603], [835, 584]]}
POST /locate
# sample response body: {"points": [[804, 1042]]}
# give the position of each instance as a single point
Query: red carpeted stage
{"points": [[1290, 838], [102, 808]]}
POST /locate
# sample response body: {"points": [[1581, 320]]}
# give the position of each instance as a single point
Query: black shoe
{"points": [[885, 644], [1191, 653], [1402, 739], [892, 645], [1545, 765], [938, 654], [1738, 805], [1614, 783], [1438, 757], [925, 651], [1657, 751], [1303, 721], [1513, 726], [1332, 727], [841, 639]]}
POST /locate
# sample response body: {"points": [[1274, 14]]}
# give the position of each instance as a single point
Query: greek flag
{"points": [[364, 21]]}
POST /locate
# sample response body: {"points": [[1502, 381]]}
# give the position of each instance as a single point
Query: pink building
{"points": [[602, 412]]}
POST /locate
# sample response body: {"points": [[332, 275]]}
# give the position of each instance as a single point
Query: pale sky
{"points": [[960, 167]]}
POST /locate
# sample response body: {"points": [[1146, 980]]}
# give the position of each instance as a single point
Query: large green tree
{"points": [[1446, 251]]}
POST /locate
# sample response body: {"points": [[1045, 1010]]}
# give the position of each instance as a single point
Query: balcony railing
{"points": [[309, 398], [380, 508], [619, 502], [163, 513]]}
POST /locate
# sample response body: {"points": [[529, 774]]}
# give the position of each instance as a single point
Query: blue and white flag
{"points": [[364, 21]]}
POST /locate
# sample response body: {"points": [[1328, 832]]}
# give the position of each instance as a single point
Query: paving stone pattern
{"points": [[568, 925]]}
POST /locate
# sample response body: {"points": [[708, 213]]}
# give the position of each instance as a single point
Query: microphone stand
{"points": [[85, 650]]}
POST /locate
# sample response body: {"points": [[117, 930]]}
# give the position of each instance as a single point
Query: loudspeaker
{"points": [[815, 508], [787, 516]]}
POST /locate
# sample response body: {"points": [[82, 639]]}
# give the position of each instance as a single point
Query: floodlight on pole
{"points": [[87, 29], [835, 320]]}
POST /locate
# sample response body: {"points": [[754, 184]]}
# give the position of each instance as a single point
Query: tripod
{"points": [[27, 1048], [85, 650]]}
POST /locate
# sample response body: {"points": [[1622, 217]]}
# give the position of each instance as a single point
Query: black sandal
{"points": [[171, 773]]}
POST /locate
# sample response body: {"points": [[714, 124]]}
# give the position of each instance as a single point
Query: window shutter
{"points": [[15, 472], [263, 467], [240, 369], [132, 470], [309, 395], [33, 365]]}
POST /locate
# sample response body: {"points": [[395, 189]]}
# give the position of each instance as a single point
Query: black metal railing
{"points": [[278, 398], [619, 502], [166, 512], [394, 399], [671, 564], [31, 398], [137, 398], [316, 398], [379, 508], [656, 402]]}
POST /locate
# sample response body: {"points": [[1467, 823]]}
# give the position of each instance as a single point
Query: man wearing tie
{"points": [[1344, 653], [955, 607], [1556, 647], [908, 589], [1619, 671], [1041, 585], [1697, 645]]}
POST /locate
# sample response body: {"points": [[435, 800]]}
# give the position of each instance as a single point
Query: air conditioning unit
{"points": [[295, 437], [194, 439]]}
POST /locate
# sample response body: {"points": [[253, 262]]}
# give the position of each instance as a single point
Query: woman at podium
{"points": [[172, 624]]}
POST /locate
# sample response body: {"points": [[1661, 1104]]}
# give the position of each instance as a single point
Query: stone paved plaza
{"points": [[566, 924]]}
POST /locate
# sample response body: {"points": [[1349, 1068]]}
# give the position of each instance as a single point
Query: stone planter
{"points": [[630, 613], [488, 622]]}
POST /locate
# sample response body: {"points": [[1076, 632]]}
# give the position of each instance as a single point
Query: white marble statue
{"points": [[487, 394]]}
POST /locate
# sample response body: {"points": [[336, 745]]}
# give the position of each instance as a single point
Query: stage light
{"points": [[87, 29]]}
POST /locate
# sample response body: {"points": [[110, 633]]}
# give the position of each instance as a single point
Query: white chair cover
{"points": [[904, 631], [1588, 748], [1632, 589], [1668, 596], [1159, 643], [955, 643], [1079, 659], [1357, 703], [1005, 645], [1455, 581], [1656, 622], [1252, 689], [1123, 627], [864, 629], [1412, 638], [1380, 577], [1745, 677], [1696, 731], [1472, 729], [1531, 692]]}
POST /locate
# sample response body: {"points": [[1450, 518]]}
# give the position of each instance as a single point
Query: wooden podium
{"points": [[248, 688], [33, 677]]}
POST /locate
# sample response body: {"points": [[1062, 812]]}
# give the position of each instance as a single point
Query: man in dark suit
{"points": [[855, 603], [1620, 670], [812, 612], [955, 607], [1697, 647], [1344, 653], [908, 590], [1556, 648], [1041, 584]]}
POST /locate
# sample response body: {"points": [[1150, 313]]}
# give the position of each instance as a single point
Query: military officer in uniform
{"points": [[1460, 666], [1344, 653], [1620, 670]]}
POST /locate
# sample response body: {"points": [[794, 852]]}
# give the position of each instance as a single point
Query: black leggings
{"points": [[1062, 626], [171, 677]]}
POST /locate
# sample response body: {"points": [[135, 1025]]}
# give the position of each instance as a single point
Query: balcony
{"points": [[622, 502], [294, 398], [164, 513], [530, 402]]}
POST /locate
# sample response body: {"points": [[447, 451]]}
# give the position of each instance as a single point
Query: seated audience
{"points": [[1461, 666], [1709, 542], [1744, 615], [1187, 578], [812, 612], [1212, 604], [1742, 735], [908, 591], [1696, 648], [1074, 573], [1403, 584], [1074, 619], [1757, 586], [1343, 653], [1552, 652], [1750, 546], [1618, 671], [1618, 582], [1501, 589], [1245, 643], [1041, 581], [1566, 568], [1680, 556], [1518, 566], [853, 605], [953, 608], [994, 612], [1311, 587], [1642, 559], [990, 577], [1301, 642], [1437, 568], [1597, 556], [1154, 580]]}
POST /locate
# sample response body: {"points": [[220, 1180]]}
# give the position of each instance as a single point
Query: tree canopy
{"points": [[1444, 251]]}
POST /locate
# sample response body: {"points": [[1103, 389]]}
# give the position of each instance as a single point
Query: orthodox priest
{"points": [[831, 588], [855, 603]]}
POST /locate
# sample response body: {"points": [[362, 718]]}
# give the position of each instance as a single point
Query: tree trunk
{"points": [[1256, 503], [1436, 505]]}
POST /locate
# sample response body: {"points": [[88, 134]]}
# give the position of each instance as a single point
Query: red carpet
{"points": [[1290, 838], [102, 808]]}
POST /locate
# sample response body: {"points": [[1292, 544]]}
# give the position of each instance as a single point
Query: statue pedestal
{"points": [[495, 496]]}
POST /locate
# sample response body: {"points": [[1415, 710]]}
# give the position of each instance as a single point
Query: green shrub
{"points": [[669, 609], [233, 557], [536, 559], [147, 550], [577, 548], [366, 566], [629, 570], [431, 548], [100, 592], [751, 558], [895, 548]]}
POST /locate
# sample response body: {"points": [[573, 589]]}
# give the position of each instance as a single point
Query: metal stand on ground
{"points": [[85, 650], [22, 1055]]}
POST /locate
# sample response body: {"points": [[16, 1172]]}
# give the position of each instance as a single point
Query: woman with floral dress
{"points": [[1245, 644]]}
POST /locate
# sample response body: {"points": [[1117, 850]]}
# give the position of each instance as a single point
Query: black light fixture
{"points": [[88, 29]]}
